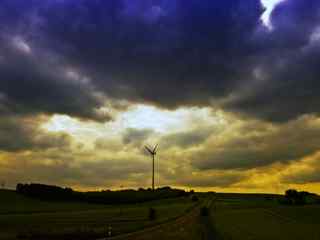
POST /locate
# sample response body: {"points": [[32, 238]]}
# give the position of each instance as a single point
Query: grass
{"points": [[244, 217], [12, 203], [22, 217], [235, 217]]}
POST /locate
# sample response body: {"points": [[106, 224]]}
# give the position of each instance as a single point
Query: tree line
{"points": [[294, 197], [56, 193]]}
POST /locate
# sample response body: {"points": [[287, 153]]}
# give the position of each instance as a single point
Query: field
{"points": [[232, 217], [22, 217], [243, 217]]}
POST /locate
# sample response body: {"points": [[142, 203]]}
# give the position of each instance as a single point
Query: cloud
{"points": [[243, 154], [186, 139], [21, 45], [131, 47], [305, 171], [170, 54], [311, 176], [72, 168], [108, 144], [38, 83], [18, 134], [288, 88], [213, 179], [255, 144], [136, 136], [83, 58], [295, 20]]}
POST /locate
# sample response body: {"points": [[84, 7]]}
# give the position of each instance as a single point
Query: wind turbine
{"points": [[152, 152]]}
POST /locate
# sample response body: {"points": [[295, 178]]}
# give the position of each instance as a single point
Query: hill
{"points": [[23, 217], [12, 202]]}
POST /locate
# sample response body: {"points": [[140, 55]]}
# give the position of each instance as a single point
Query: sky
{"points": [[227, 89]]}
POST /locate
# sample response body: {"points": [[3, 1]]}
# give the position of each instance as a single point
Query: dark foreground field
{"points": [[25, 218], [231, 216], [261, 217]]}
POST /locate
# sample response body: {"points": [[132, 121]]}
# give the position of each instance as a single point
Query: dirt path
{"points": [[207, 223], [190, 226], [208, 231], [180, 228]]}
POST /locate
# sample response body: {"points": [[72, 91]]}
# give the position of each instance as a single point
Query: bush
{"points": [[152, 214], [294, 197]]}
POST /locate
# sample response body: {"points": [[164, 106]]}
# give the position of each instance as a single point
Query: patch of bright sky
{"points": [[163, 121], [72, 126], [137, 117], [269, 5]]}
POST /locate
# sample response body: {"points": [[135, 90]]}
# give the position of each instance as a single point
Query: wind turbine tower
{"points": [[153, 153]]}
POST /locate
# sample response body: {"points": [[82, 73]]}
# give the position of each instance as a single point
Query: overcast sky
{"points": [[228, 89]]}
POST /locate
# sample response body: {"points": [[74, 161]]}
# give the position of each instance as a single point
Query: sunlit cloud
{"points": [[138, 117], [148, 117]]}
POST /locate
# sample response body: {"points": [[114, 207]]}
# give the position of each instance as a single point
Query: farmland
{"points": [[261, 217], [22, 217], [232, 217]]}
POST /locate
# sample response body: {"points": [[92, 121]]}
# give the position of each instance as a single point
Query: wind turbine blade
{"points": [[149, 150], [155, 149]]}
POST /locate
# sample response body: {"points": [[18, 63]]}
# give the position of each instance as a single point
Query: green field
{"points": [[233, 217], [22, 217], [243, 217]]}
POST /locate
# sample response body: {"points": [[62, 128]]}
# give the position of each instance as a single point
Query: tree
{"points": [[294, 197]]}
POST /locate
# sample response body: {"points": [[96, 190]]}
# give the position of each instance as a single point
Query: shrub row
{"points": [[55, 193]]}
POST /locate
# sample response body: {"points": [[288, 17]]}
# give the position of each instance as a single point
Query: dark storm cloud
{"points": [[289, 70], [191, 52], [32, 83], [261, 146], [292, 91], [295, 20], [188, 51], [18, 134], [168, 53]]}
